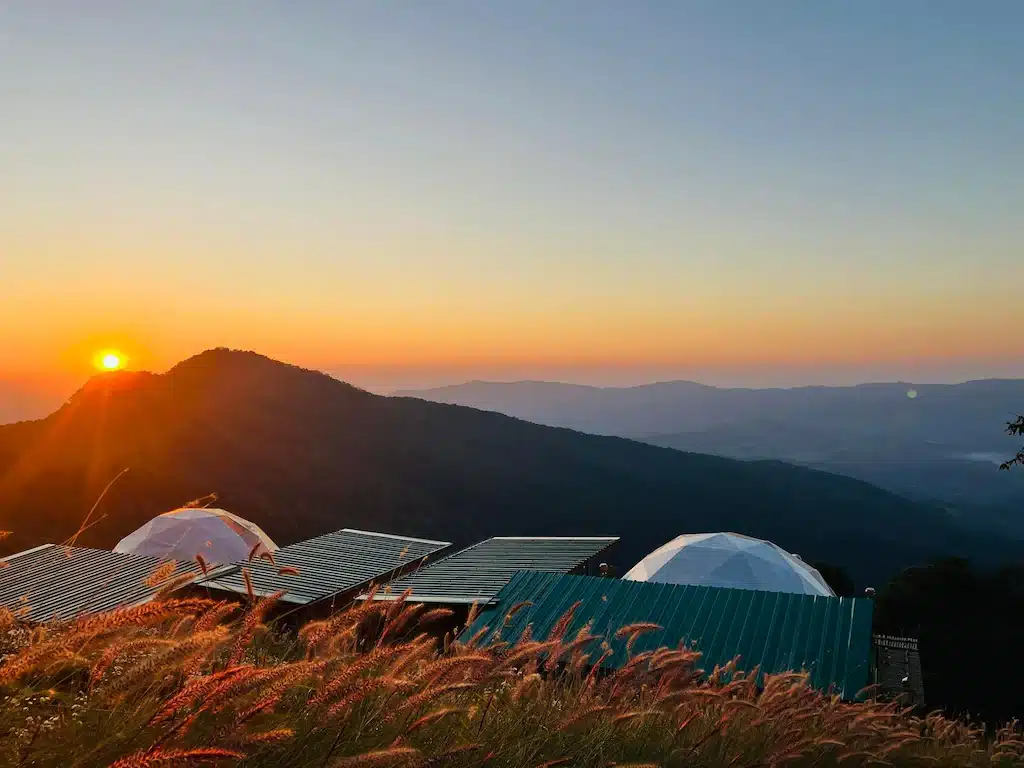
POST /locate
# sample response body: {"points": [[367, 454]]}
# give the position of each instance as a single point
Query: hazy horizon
{"points": [[411, 378], [38, 394]]}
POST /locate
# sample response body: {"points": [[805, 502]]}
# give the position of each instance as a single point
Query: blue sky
{"points": [[643, 185]]}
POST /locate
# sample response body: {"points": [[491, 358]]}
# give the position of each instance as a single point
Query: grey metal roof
{"points": [[476, 574], [58, 582], [327, 565]]}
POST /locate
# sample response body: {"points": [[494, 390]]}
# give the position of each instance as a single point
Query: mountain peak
{"points": [[220, 376], [225, 357], [225, 366]]}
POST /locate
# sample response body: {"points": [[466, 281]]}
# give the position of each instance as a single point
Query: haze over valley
{"points": [[932, 442]]}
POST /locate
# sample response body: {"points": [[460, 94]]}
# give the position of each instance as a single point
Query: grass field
{"points": [[195, 681]]}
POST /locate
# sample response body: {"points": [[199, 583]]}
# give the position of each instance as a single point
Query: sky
{"points": [[412, 193]]}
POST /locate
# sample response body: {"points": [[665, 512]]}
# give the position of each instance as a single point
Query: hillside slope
{"points": [[301, 453], [943, 444], [969, 413]]}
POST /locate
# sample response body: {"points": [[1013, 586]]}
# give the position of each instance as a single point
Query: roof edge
{"points": [[285, 598], [219, 570], [551, 538], [40, 548], [482, 601], [393, 536]]}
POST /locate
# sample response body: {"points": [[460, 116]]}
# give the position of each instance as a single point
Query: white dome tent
{"points": [[181, 534], [729, 560]]}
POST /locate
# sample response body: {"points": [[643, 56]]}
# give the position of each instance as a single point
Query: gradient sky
{"points": [[526, 185]]}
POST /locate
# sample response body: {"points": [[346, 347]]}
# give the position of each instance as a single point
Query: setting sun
{"points": [[109, 361]]}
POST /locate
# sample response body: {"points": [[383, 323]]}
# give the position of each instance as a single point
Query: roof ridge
{"points": [[391, 536]]}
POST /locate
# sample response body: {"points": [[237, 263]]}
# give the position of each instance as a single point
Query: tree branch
{"points": [[1015, 429]]}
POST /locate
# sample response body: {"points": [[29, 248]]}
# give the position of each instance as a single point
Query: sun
{"points": [[109, 360]]}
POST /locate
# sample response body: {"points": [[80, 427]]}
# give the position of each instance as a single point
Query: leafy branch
{"points": [[1015, 429]]}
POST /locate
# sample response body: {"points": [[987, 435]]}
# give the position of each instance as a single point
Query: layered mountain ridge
{"points": [[301, 453]]}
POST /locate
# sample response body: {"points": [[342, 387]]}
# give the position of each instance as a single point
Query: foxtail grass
{"points": [[196, 681]]}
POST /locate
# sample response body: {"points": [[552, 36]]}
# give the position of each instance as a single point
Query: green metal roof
{"points": [[830, 637]]}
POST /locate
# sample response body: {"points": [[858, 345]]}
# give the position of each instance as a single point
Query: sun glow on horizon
{"points": [[109, 360]]}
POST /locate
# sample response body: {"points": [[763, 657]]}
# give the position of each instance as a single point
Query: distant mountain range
{"points": [[301, 453], [930, 442]]}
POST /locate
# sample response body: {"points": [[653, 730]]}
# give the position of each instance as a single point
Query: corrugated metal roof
{"points": [[828, 636], [327, 565], [58, 582], [476, 574]]}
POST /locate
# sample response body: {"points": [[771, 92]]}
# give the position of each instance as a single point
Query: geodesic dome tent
{"points": [[729, 560], [218, 536]]}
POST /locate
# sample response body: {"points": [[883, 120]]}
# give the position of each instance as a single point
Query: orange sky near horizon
{"points": [[462, 301], [154, 332], [672, 187]]}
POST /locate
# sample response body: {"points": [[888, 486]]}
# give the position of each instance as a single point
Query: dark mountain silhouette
{"points": [[944, 444], [301, 453]]}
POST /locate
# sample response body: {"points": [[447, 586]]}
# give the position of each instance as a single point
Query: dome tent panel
{"points": [[729, 560], [182, 534]]}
